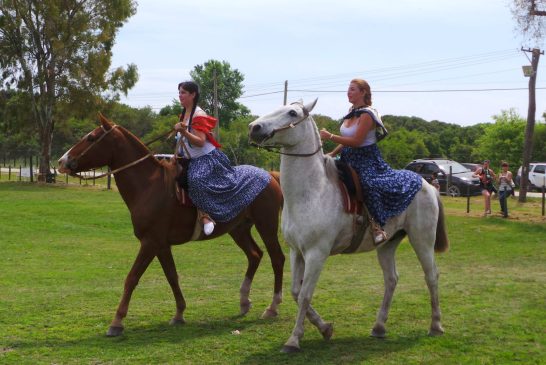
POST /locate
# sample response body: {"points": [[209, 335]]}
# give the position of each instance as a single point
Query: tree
{"points": [[402, 146], [502, 140], [230, 88], [59, 52], [529, 16]]}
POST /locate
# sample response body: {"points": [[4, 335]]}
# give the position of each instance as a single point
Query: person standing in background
{"points": [[505, 188], [486, 176]]}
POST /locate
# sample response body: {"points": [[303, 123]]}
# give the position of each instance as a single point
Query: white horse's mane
{"points": [[329, 162]]}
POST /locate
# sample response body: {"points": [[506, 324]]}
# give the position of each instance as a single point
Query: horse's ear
{"points": [[311, 105], [106, 124]]}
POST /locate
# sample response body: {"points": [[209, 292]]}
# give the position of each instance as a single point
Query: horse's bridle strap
{"points": [[106, 132], [291, 125], [116, 170], [97, 141]]}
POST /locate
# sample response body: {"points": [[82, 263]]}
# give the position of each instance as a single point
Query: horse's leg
{"points": [[165, 257], [145, 255], [267, 226], [385, 256], [242, 237], [305, 275], [424, 248]]}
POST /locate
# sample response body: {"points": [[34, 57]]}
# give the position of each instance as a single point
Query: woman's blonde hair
{"points": [[364, 86]]}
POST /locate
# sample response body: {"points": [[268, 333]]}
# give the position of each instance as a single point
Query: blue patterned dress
{"points": [[222, 190], [387, 192]]}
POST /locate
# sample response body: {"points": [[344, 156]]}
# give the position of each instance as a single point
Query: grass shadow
{"points": [[345, 350]]}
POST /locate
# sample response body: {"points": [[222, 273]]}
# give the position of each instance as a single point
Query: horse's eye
{"points": [[91, 138], [292, 113]]}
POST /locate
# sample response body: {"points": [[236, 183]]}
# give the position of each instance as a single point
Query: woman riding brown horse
{"points": [[160, 221]]}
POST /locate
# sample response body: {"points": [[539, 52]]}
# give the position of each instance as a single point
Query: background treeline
{"points": [[409, 138]]}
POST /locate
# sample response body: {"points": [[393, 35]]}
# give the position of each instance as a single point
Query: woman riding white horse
{"points": [[309, 184]]}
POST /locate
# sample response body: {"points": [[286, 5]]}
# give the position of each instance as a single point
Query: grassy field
{"points": [[66, 251]]}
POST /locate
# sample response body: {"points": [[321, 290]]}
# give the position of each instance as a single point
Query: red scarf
{"points": [[205, 124]]}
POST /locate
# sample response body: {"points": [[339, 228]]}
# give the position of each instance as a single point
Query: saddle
{"points": [[351, 191], [353, 202]]}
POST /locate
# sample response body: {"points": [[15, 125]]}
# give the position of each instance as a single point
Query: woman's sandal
{"points": [[208, 227], [379, 236]]}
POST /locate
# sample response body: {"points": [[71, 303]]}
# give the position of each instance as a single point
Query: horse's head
{"points": [[279, 127], [91, 151]]}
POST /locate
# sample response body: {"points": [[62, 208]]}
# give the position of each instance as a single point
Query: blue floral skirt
{"points": [[222, 190], [387, 192]]}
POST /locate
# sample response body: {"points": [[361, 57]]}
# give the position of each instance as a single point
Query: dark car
{"points": [[462, 182], [471, 166]]}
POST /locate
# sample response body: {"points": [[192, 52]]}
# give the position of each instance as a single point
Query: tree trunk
{"points": [[46, 138], [529, 130]]}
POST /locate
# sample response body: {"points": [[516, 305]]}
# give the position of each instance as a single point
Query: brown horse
{"points": [[159, 221]]}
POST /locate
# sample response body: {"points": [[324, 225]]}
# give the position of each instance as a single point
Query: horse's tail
{"points": [[442, 241]]}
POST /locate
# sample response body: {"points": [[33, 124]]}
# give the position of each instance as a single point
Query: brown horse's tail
{"points": [[442, 241]]}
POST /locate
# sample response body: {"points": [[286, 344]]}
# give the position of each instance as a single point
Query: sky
{"points": [[435, 59]]}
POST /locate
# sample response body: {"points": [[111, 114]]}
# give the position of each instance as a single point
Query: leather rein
{"points": [[289, 126], [130, 164]]}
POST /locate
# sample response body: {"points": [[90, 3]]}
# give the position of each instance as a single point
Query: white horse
{"points": [[309, 185]]}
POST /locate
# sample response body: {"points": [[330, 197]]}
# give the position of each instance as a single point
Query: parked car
{"points": [[471, 166], [537, 175], [463, 182]]}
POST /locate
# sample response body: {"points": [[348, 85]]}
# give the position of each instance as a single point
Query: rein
{"points": [[289, 126], [150, 154]]}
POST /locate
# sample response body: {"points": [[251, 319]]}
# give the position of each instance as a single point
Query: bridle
{"points": [[94, 143], [283, 128]]}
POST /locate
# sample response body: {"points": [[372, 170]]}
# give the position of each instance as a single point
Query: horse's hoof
{"points": [[114, 331], [290, 349], [437, 331], [328, 331], [269, 313], [177, 322], [379, 332], [245, 307]]}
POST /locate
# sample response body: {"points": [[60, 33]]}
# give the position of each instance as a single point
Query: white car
{"points": [[537, 175]]}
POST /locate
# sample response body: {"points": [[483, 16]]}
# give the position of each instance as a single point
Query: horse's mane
{"points": [[140, 144], [168, 167], [330, 168], [329, 163]]}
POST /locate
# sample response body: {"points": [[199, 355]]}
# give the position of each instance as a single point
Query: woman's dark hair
{"points": [[193, 88]]}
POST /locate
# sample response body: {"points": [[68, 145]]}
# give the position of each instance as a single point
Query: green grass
{"points": [[66, 251]]}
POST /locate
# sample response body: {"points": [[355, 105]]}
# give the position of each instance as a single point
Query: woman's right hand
{"points": [[324, 134], [180, 127]]}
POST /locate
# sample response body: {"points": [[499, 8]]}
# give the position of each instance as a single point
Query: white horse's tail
{"points": [[442, 242]]}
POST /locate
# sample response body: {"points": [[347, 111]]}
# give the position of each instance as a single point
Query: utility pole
{"points": [[530, 127], [217, 127], [285, 91]]}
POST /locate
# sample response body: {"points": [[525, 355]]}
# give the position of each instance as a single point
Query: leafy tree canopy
{"points": [[59, 52], [229, 88]]}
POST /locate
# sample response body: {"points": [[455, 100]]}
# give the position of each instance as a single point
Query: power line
{"points": [[394, 91]]}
